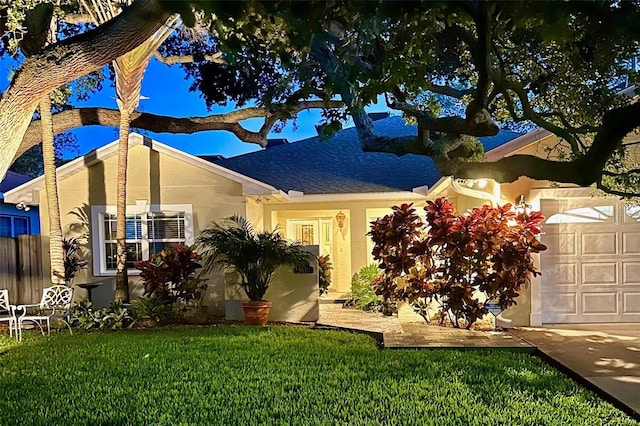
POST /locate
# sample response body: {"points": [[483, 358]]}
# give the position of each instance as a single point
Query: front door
{"points": [[311, 232]]}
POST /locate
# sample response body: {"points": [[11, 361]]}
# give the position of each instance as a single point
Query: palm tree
{"points": [[56, 250], [233, 243], [129, 71]]}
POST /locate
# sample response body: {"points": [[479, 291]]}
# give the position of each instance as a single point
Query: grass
{"points": [[278, 375]]}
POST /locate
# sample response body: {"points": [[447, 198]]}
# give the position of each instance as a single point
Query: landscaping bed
{"points": [[291, 375]]}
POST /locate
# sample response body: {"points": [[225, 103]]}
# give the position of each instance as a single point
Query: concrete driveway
{"points": [[604, 356]]}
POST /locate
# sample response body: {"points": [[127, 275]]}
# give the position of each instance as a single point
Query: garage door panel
{"points": [[631, 243], [600, 243], [631, 303], [562, 273], [599, 273], [599, 303], [560, 303], [631, 273], [560, 244]]}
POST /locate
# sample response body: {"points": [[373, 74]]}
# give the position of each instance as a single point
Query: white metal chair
{"points": [[7, 312], [55, 299]]}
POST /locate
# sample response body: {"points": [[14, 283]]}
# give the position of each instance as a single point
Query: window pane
{"points": [[166, 226], [109, 226], [158, 246], [20, 226], [134, 254], [110, 252], [5, 226], [133, 227], [305, 234]]}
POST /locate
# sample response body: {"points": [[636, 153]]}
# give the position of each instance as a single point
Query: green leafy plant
{"points": [[81, 315], [152, 307], [324, 273], [233, 243], [362, 295], [451, 258], [116, 316], [72, 261], [170, 275]]}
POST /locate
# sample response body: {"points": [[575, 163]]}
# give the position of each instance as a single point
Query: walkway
{"points": [[604, 357], [408, 330]]}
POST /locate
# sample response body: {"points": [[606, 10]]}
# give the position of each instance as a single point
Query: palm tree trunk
{"points": [[51, 186], [122, 279]]}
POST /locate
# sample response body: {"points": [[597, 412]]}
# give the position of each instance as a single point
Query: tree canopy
{"points": [[555, 65]]}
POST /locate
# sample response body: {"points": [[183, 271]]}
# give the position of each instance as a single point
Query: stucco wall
{"points": [[157, 178], [294, 296]]}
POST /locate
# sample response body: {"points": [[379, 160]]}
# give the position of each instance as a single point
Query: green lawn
{"points": [[278, 375]]}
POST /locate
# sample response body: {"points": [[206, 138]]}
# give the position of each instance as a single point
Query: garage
{"points": [[591, 269]]}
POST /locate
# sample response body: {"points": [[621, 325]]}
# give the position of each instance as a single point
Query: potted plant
{"points": [[233, 243]]}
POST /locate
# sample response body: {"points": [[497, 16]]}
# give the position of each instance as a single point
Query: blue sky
{"points": [[168, 94]]}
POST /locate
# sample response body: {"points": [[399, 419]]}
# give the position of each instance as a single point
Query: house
{"points": [[17, 218], [326, 193]]}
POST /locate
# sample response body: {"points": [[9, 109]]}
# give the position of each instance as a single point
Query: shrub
{"points": [[72, 260], [451, 257], [324, 273], [116, 316], [362, 295], [170, 275], [152, 307]]}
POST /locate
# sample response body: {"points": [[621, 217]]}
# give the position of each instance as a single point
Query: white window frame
{"points": [[141, 208]]}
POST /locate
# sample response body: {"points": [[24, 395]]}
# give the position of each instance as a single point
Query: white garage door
{"points": [[591, 269]]}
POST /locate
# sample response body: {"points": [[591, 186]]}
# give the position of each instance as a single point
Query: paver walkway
{"points": [[408, 330], [606, 356]]}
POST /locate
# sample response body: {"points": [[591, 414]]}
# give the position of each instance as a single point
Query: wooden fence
{"points": [[21, 268]]}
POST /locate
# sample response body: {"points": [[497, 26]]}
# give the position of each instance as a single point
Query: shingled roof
{"points": [[11, 180], [340, 166]]}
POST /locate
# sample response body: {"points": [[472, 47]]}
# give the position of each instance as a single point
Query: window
{"points": [[12, 226], [149, 230], [595, 214]]}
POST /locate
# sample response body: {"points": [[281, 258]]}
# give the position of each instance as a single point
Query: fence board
{"points": [[30, 268], [9, 267], [21, 268]]}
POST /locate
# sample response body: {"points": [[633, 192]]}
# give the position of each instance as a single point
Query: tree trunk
{"points": [[56, 252], [122, 279], [67, 60]]}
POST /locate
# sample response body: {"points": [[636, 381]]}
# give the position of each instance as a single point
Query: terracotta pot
{"points": [[256, 313], [196, 315]]}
